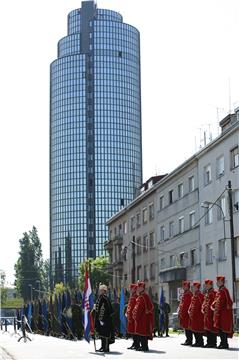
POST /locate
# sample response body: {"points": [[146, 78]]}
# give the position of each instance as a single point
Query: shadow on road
{"points": [[109, 353], [233, 349], [155, 352]]}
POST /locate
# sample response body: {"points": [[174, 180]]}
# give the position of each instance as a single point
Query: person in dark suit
{"points": [[104, 319]]}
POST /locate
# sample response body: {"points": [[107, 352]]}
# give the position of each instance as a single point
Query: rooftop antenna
{"points": [[229, 95], [156, 172]]}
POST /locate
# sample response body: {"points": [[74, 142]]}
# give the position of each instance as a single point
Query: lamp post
{"points": [[2, 275], [30, 286], [39, 291], [229, 188]]}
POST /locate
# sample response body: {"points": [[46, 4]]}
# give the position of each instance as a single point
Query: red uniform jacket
{"points": [[196, 320], [143, 314], [222, 306], [207, 311], [129, 314], [183, 309]]}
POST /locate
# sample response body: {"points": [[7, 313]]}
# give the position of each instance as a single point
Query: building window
{"points": [[172, 260], [138, 220], [152, 271], [145, 243], [191, 183], [171, 229], [221, 208], [235, 196], [182, 256], [138, 250], [180, 191], [145, 214], [132, 223], [162, 233], [162, 263], [235, 157], [152, 240], [207, 175], [208, 216], [139, 272], [124, 252], [170, 197], [125, 227], [236, 245], [220, 166], [161, 202], [145, 272], [222, 250], [181, 224], [193, 257], [151, 212], [192, 219], [120, 230], [209, 250]]}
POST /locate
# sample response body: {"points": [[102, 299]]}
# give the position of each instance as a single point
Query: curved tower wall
{"points": [[95, 134]]}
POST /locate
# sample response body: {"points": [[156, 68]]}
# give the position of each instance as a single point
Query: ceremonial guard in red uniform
{"points": [[143, 315], [223, 317], [209, 298], [183, 312], [196, 320], [129, 315]]}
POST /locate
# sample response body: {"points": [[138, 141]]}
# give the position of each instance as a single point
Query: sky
{"points": [[189, 82]]}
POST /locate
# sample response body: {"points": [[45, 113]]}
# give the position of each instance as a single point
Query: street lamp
{"points": [[30, 285]]}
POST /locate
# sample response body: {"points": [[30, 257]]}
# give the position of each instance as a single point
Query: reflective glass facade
{"points": [[95, 134]]}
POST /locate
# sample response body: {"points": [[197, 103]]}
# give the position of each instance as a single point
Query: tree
{"points": [[59, 289], [98, 272], [3, 290], [29, 266], [46, 275]]}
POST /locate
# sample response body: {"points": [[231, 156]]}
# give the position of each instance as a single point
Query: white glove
{"points": [[101, 323]]}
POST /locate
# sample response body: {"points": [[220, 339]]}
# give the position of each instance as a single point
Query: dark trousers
{"points": [[223, 337], [136, 342], [189, 336], [143, 340], [105, 343], [198, 338], [166, 323], [211, 338]]}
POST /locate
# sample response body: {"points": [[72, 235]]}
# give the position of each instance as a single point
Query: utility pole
{"points": [[133, 260], [232, 241]]}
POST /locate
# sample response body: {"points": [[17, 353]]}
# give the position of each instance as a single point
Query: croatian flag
{"points": [[88, 304]]}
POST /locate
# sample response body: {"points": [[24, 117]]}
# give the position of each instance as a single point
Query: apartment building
{"points": [[189, 234]]}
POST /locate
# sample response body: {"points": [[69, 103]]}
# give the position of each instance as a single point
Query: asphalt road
{"points": [[43, 347]]}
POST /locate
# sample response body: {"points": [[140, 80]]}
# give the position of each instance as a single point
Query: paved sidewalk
{"points": [[43, 347]]}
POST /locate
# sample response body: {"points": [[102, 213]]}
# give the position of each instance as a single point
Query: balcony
{"points": [[118, 240], [118, 264], [108, 245], [173, 274], [109, 268]]}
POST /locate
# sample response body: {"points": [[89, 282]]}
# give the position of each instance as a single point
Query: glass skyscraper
{"points": [[95, 134]]}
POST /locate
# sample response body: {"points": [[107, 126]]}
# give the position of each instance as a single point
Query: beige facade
{"points": [[175, 238], [132, 244]]}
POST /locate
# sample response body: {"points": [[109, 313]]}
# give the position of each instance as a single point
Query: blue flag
{"points": [[122, 315], [161, 304], [29, 314], [88, 304]]}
